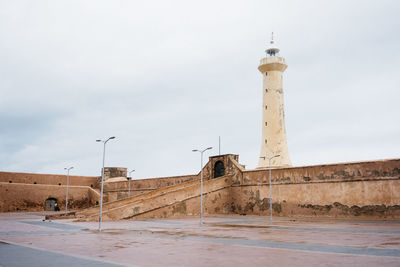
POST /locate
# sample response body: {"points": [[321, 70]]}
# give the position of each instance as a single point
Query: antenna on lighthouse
{"points": [[272, 50]]}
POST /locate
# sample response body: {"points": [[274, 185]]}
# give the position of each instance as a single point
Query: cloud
{"points": [[167, 77]]}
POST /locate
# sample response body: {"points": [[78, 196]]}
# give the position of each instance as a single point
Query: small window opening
{"points": [[34, 183], [59, 183], [10, 182], [266, 73], [91, 186], [266, 90], [266, 141], [266, 107], [97, 203], [266, 123]]}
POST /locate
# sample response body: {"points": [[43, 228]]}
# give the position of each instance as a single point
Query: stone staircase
{"points": [[148, 203]]}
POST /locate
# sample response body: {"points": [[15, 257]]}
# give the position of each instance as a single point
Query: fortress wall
{"points": [[32, 197], [34, 202], [150, 183], [361, 198], [344, 189], [358, 189], [49, 179], [339, 172], [119, 190]]}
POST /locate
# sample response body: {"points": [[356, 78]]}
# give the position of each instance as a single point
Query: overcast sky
{"points": [[166, 77]]}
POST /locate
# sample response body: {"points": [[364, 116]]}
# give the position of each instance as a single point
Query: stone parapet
{"points": [[48, 179], [112, 172], [338, 172]]}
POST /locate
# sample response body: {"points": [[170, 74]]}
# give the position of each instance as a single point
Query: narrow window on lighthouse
{"points": [[265, 140], [266, 90], [266, 107], [266, 73], [266, 123]]}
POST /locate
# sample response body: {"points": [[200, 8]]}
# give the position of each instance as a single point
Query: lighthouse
{"points": [[273, 142]]}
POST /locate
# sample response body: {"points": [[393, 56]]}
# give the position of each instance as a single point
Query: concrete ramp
{"points": [[149, 204]]}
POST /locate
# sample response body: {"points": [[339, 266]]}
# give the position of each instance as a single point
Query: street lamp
{"points": [[66, 198], [129, 182], [102, 177], [270, 190], [201, 186]]}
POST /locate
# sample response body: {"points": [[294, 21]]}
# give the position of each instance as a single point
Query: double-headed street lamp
{"points": [[129, 182], [270, 190], [201, 186], [102, 177], [66, 198]]}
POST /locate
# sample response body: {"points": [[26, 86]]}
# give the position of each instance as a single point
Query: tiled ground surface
{"points": [[27, 240]]}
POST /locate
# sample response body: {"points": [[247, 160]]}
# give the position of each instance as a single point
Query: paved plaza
{"points": [[27, 240]]}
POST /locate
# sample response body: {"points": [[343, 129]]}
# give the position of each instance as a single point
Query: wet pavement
{"points": [[27, 240]]}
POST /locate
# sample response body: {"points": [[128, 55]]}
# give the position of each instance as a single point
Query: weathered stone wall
{"points": [[49, 179], [111, 172], [119, 190], [338, 190], [370, 189], [112, 191], [32, 197], [29, 191], [359, 189], [353, 171]]}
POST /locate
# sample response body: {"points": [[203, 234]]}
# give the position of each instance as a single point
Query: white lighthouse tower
{"points": [[273, 140]]}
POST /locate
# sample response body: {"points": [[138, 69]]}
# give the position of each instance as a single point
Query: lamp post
{"points": [[201, 182], [66, 198], [102, 176], [129, 183], [270, 190]]}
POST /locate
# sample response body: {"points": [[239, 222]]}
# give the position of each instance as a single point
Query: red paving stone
{"points": [[221, 241]]}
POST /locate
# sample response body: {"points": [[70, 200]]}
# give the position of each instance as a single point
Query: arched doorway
{"points": [[219, 169], [51, 204]]}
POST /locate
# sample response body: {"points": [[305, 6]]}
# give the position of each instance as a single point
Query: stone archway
{"points": [[219, 169], [51, 204]]}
